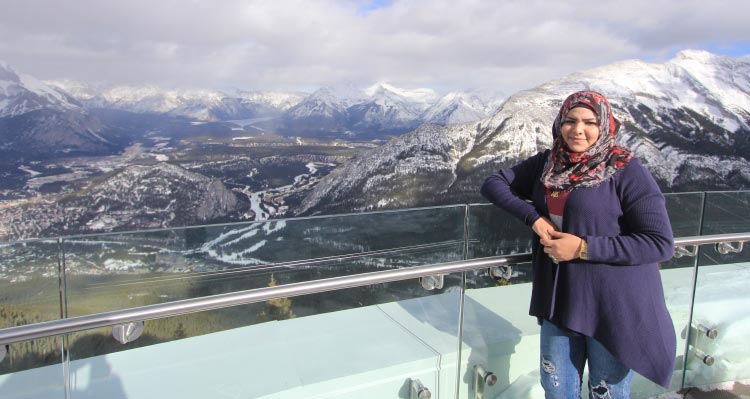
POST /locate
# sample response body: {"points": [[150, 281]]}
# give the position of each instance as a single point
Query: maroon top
{"points": [[556, 204]]}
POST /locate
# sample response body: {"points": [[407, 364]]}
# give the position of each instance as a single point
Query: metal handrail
{"points": [[711, 239], [193, 305]]}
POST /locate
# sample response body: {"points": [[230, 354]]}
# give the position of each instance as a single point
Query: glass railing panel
{"points": [[29, 294], [370, 351], [116, 271], [721, 298], [498, 333], [718, 350], [32, 369], [677, 280], [727, 212], [688, 216], [119, 271], [685, 215], [29, 283], [494, 232]]}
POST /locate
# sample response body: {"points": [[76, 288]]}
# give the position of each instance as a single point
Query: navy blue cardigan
{"points": [[616, 296]]}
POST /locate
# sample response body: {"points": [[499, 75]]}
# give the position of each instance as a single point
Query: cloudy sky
{"points": [[504, 45]]}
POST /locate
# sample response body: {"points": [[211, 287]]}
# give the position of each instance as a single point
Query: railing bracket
{"points": [[680, 251], [727, 247], [432, 282], [709, 332], [482, 378], [127, 332], [418, 391], [503, 271], [708, 360]]}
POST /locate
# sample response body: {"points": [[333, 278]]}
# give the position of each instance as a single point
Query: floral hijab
{"points": [[565, 169]]}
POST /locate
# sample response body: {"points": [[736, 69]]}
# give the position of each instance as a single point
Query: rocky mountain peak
{"points": [[155, 196], [688, 124]]}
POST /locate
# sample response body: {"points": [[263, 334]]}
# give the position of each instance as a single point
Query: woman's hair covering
{"points": [[565, 169]]}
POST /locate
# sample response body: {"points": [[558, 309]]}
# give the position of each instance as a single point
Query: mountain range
{"points": [[330, 112], [200, 105], [688, 120], [59, 118], [383, 109]]}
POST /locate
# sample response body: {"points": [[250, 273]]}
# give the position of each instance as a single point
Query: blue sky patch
{"points": [[370, 6]]}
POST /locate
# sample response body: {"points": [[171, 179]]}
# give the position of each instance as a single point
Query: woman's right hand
{"points": [[542, 227]]}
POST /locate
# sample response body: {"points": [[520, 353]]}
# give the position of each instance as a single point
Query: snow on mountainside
{"points": [[325, 101], [381, 109], [20, 94], [687, 119], [455, 108], [329, 111], [417, 165], [174, 194], [272, 99], [425, 97], [388, 109], [38, 120], [205, 105], [321, 111]]}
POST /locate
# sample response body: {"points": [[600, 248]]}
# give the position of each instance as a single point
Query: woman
{"points": [[601, 227]]}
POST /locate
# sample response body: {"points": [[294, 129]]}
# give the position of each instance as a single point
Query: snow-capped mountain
{"points": [[203, 105], [420, 97], [385, 109], [388, 109], [381, 109], [20, 94], [271, 100], [47, 132], [687, 119], [460, 107], [322, 111], [329, 111], [39, 120]]}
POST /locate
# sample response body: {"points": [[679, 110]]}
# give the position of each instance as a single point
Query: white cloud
{"points": [[457, 44]]}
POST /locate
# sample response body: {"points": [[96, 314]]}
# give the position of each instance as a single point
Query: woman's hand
{"points": [[561, 247], [542, 227]]}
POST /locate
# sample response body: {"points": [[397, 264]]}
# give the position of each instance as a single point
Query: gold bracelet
{"points": [[583, 253]]}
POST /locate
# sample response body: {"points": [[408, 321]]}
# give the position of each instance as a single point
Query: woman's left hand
{"points": [[562, 247]]}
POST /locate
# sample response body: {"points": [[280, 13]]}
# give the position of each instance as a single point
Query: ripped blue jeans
{"points": [[563, 355]]}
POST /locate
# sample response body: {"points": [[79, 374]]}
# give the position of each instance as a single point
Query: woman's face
{"points": [[580, 129]]}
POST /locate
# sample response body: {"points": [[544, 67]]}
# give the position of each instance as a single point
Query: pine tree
{"points": [[276, 309]]}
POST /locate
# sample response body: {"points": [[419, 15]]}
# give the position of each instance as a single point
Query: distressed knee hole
{"points": [[600, 391], [548, 366]]}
